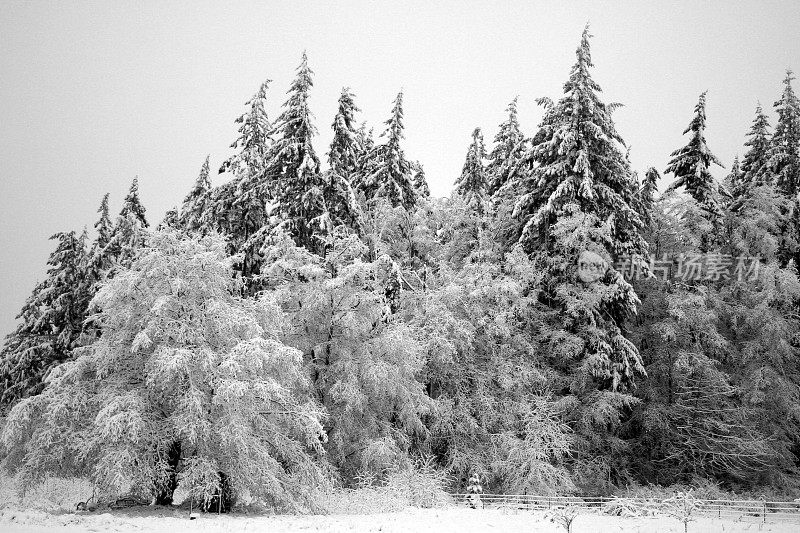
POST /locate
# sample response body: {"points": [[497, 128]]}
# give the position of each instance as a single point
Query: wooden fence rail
{"points": [[765, 510]]}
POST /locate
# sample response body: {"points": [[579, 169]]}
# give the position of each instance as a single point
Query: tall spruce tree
{"points": [[784, 153], [577, 216], [254, 137], [98, 260], [754, 164], [471, 185], [646, 196], [171, 219], [419, 180], [103, 226], [128, 234], [346, 149], [309, 204], [51, 322], [293, 164], [294, 168], [690, 164], [389, 174], [240, 208], [736, 183], [192, 215], [509, 146], [132, 205], [577, 157]]}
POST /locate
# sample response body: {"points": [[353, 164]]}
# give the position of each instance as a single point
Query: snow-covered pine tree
{"points": [[509, 146], [736, 184], [577, 215], [51, 322], [419, 180], [129, 230], [345, 155], [186, 386], [99, 261], [388, 173], [254, 137], [132, 205], [240, 208], [690, 164], [646, 196], [103, 226], [754, 164], [471, 185], [171, 219], [784, 152], [577, 157], [366, 161], [192, 216], [310, 205], [346, 149]]}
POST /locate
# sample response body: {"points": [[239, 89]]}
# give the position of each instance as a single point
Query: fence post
{"points": [[765, 511]]}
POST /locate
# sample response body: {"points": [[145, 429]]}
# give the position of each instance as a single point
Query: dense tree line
{"points": [[297, 326]]}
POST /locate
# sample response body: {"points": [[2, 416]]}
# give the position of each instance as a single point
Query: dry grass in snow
{"points": [[452, 519]]}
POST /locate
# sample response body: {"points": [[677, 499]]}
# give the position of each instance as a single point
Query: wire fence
{"points": [[733, 509]]}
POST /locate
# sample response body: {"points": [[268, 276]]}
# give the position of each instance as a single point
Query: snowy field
{"points": [[454, 519], [50, 506]]}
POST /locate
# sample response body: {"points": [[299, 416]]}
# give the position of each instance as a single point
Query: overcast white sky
{"points": [[93, 93]]}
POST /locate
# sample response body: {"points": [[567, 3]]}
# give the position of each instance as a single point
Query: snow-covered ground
{"points": [[455, 520]]}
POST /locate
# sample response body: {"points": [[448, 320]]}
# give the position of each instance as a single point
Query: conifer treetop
{"points": [[507, 151], [578, 157], [471, 185], [784, 155], [756, 158], [132, 205], [394, 125], [202, 184], [310, 204], [254, 136], [51, 321], [293, 151], [388, 174], [647, 193], [690, 164], [103, 226], [346, 146], [419, 180], [650, 185], [736, 183], [193, 213]]}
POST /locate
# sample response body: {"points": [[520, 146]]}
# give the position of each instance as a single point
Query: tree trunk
{"points": [[164, 497], [213, 503]]}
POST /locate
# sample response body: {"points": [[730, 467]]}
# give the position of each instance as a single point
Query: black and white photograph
{"points": [[400, 266]]}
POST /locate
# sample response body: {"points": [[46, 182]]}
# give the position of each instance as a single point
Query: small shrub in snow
{"points": [[421, 485], [563, 516], [626, 507], [418, 485], [683, 506]]}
